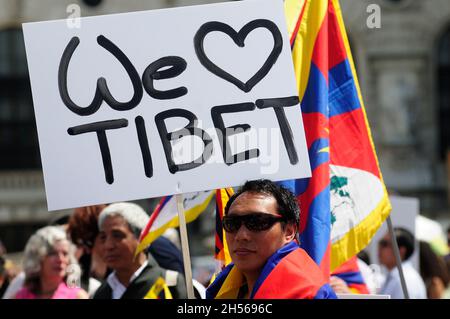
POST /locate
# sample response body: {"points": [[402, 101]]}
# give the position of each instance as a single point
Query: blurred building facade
{"points": [[403, 69], [404, 72]]}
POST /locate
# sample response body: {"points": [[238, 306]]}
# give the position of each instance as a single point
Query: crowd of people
{"points": [[93, 255]]}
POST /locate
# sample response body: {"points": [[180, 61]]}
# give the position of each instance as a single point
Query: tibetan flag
{"points": [[165, 215], [350, 273], [221, 251], [345, 201]]}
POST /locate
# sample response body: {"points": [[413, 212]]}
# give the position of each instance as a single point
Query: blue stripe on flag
{"points": [[168, 198], [343, 96], [351, 277], [316, 94], [296, 186], [312, 240], [315, 156]]}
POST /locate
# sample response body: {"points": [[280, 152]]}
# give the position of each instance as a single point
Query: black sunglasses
{"points": [[253, 222]]}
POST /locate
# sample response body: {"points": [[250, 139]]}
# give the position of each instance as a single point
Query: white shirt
{"points": [[116, 286], [368, 276], [94, 284], [414, 283]]}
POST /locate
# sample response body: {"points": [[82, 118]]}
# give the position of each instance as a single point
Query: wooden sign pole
{"points": [[185, 247]]}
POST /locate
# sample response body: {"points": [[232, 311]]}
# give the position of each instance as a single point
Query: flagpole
{"points": [[397, 257], [185, 247]]}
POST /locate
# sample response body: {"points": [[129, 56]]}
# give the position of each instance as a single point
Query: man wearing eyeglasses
{"points": [[260, 223], [392, 285]]}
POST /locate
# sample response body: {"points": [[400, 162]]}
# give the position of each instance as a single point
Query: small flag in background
{"points": [[351, 274], [221, 252], [165, 215], [345, 201]]}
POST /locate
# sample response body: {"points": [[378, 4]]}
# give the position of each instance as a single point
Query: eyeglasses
{"points": [[384, 243], [254, 222]]}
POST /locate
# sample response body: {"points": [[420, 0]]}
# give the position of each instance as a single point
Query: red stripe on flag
{"points": [[318, 182], [325, 262], [219, 244], [154, 215], [336, 51], [315, 125], [219, 232], [360, 288], [297, 26], [219, 203], [350, 265], [304, 281], [320, 52], [350, 144]]}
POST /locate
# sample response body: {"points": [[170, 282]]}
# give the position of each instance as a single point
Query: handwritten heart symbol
{"points": [[238, 38]]}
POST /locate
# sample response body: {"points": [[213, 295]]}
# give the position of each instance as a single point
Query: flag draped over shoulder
{"points": [[221, 250], [345, 201], [165, 215]]}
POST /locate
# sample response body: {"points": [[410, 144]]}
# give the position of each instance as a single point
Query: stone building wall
{"points": [[397, 66]]}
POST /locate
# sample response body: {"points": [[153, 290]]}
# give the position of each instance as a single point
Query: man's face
{"points": [[385, 252], [118, 243], [250, 250]]}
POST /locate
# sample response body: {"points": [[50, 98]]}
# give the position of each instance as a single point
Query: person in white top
{"points": [[392, 285]]}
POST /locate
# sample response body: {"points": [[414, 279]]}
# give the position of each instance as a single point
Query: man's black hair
{"points": [[405, 239], [287, 202], [364, 256]]}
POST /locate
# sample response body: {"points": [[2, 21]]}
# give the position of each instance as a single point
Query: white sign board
{"points": [[150, 103]]}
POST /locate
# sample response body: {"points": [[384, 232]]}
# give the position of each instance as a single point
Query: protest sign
{"points": [[152, 103]]}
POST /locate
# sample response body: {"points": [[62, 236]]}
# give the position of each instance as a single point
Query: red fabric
{"points": [[351, 146], [305, 278]]}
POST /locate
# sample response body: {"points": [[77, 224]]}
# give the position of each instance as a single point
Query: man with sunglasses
{"points": [[392, 285], [260, 223]]}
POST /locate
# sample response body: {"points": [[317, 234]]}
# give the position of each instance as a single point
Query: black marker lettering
{"points": [[189, 129], [225, 132], [238, 38], [62, 83], [132, 73], [102, 92], [143, 143], [152, 72], [277, 104], [100, 128]]}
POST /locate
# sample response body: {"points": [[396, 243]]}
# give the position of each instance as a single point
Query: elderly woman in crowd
{"points": [[51, 269]]}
